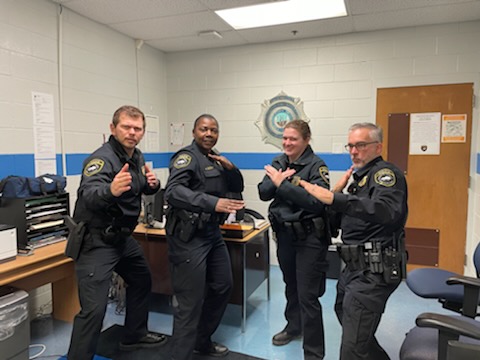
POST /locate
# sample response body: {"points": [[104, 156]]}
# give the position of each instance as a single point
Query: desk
{"points": [[48, 264], [250, 258]]}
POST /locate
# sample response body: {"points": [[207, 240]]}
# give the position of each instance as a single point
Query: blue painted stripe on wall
{"points": [[478, 163], [59, 164], [257, 161], [24, 164], [160, 160], [75, 163], [17, 164]]}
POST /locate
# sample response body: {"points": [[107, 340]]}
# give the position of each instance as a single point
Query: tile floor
{"points": [[264, 319]]}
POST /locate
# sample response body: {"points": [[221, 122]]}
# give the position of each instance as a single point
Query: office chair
{"points": [[254, 214], [457, 350], [449, 288], [442, 337]]}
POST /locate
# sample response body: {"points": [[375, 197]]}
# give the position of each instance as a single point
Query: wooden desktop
{"points": [[47, 264]]}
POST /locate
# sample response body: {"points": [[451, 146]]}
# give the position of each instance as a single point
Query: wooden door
{"points": [[437, 184]]}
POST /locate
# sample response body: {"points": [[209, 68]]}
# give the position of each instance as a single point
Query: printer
{"points": [[8, 242]]}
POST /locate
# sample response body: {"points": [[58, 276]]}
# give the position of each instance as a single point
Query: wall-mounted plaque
{"points": [[276, 113]]}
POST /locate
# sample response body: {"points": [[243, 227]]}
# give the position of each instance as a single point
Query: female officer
{"points": [[199, 262], [298, 221]]}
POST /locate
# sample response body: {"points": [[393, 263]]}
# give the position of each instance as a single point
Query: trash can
{"points": [[14, 324]]}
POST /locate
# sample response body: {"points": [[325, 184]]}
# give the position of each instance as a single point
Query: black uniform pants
{"points": [[360, 303], [202, 283], [303, 264], [94, 270]]}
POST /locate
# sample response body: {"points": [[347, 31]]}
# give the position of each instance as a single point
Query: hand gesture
{"points": [[222, 160], [121, 182], [151, 178], [230, 206], [340, 185], [322, 194], [277, 176]]}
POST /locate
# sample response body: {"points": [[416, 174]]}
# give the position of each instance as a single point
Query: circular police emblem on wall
{"points": [[276, 113]]}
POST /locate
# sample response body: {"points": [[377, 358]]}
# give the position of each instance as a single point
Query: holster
{"points": [[76, 234], [319, 227], [392, 272], [301, 229], [353, 256], [182, 224], [273, 223], [115, 235], [396, 259]]}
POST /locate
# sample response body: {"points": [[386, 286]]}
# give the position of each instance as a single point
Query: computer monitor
{"points": [[154, 208]]}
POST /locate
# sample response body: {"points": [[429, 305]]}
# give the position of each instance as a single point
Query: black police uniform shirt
{"points": [[291, 202], [375, 205], [96, 205], [196, 181]]}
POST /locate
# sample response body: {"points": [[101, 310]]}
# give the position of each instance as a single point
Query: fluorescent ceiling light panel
{"points": [[282, 12]]}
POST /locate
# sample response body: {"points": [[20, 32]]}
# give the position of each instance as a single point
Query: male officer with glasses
{"points": [[372, 216]]}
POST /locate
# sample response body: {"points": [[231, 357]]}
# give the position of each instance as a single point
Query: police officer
{"points": [[298, 220], [108, 203], [372, 216], [199, 261]]}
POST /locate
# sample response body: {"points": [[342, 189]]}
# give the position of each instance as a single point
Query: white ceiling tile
{"points": [[173, 25]]}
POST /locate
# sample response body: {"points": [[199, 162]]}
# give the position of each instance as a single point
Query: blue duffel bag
{"points": [[23, 187]]}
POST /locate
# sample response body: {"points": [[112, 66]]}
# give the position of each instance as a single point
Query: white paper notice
{"points": [[176, 134], [44, 133], [44, 137], [454, 128], [425, 134], [43, 109], [150, 141], [48, 166]]}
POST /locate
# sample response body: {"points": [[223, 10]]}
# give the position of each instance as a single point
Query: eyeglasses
{"points": [[359, 146]]}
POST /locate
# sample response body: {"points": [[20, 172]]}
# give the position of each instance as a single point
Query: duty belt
{"points": [[387, 261], [202, 217], [363, 256], [112, 235], [301, 229]]}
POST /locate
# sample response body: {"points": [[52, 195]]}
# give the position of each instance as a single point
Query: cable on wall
{"points": [[138, 45], [60, 88]]}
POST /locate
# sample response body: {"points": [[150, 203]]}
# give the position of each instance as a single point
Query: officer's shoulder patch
{"points": [[385, 177], [182, 161], [324, 174], [93, 167]]}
